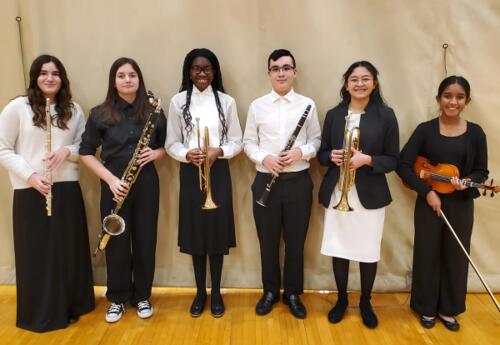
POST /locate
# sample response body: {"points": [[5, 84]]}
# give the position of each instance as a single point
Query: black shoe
{"points": [[198, 305], [369, 318], [336, 314], [217, 305], [296, 307], [451, 325], [73, 319], [427, 322], [265, 303]]}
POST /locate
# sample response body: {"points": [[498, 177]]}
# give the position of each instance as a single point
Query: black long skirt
{"points": [[52, 255], [206, 232]]}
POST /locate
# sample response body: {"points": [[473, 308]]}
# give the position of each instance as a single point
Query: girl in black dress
{"points": [[116, 125], [53, 268], [202, 103], [440, 268]]}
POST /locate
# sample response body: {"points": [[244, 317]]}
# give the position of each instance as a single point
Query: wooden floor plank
{"points": [[172, 324]]}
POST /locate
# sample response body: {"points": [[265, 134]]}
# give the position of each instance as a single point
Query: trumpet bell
{"points": [[113, 224]]}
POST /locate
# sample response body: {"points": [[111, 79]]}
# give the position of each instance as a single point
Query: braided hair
{"points": [[187, 85]]}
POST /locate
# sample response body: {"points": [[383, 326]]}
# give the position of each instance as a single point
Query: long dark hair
{"points": [[36, 98], [141, 106], [187, 85], [375, 96], [454, 79]]}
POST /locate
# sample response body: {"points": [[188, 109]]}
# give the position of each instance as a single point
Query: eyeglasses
{"points": [[198, 69], [364, 80], [284, 68]]}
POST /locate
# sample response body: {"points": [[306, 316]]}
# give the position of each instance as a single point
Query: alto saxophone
{"points": [[113, 224], [48, 150], [347, 176]]}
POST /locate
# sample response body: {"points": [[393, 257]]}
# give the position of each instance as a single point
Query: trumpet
{"points": [[346, 176], [204, 172], [48, 149]]}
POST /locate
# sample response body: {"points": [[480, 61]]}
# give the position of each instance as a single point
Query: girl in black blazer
{"points": [[357, 235]]}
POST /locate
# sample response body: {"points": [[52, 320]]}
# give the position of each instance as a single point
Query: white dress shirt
{"points": [[270, 122], [202, 106], [22, 145]]}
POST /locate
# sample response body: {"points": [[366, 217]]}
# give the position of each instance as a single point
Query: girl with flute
{"points": [[116, 126], [202, 104], [439, 282], [53, 269]]}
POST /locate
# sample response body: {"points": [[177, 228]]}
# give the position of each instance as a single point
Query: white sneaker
{"points": [[115, 312], [144, 309]]}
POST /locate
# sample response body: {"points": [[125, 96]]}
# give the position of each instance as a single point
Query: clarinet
{"points": [[291, 140]]}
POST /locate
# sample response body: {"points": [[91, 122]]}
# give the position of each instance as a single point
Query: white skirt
{"points": [[354, 235]]}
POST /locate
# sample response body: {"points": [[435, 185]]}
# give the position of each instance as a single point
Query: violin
{"points": [[439, 177]]}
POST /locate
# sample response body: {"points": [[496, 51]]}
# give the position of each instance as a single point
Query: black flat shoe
{"points": [[198, 305], [265, 304], [73, 319], [217, 305], [295, 304], [336, 314], [451, 325], [427, 322], [369, 318]]}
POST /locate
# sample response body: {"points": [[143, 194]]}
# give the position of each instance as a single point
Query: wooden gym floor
{"points": [[172, 324]]}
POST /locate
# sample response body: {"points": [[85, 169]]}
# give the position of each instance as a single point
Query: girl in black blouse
{"points": [[439, 267], [116, 125]]}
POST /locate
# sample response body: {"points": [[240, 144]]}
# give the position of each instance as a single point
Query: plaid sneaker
{"points": [[115, 312]]}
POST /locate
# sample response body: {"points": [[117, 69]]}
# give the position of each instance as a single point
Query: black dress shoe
{"points": [[369, 318], [336, 314], [451, 325], [427, 322], [73, 318], [198, 305], [296, 307], [217, 305], [265, 303]]}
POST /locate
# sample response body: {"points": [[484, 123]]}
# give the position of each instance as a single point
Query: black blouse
{"points": [[118, 140], [467, 151]]}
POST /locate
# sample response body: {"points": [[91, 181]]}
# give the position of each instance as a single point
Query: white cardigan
{"points": [[22, 145]]}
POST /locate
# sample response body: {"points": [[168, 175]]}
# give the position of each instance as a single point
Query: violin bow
{"points": [[470, 261]]}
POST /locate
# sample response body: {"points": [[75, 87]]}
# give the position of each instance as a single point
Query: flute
{"points": [[48, 150]]}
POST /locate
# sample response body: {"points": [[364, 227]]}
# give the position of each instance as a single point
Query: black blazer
{"points": [[379, 138]]}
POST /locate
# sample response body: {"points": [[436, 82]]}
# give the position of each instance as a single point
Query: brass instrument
{"points": [[48, 150], [346, 176], [204, 172], [113, 224]]}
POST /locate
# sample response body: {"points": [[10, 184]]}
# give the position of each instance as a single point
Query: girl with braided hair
{"points": [[202, 102]]}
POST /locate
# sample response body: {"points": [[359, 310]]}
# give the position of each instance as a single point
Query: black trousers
{"points": [[440, 267], [288, 208], [130, 257]]}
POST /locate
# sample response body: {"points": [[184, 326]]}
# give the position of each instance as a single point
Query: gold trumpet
{"points": [[204, 172], [346, 176]]}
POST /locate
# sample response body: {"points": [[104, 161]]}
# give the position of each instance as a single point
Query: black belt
{"points": [[287, 175]]}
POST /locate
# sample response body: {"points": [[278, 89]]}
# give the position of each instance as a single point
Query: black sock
{"points": [[341, 274], [216, 273], [200, 274], [367, 270]]}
